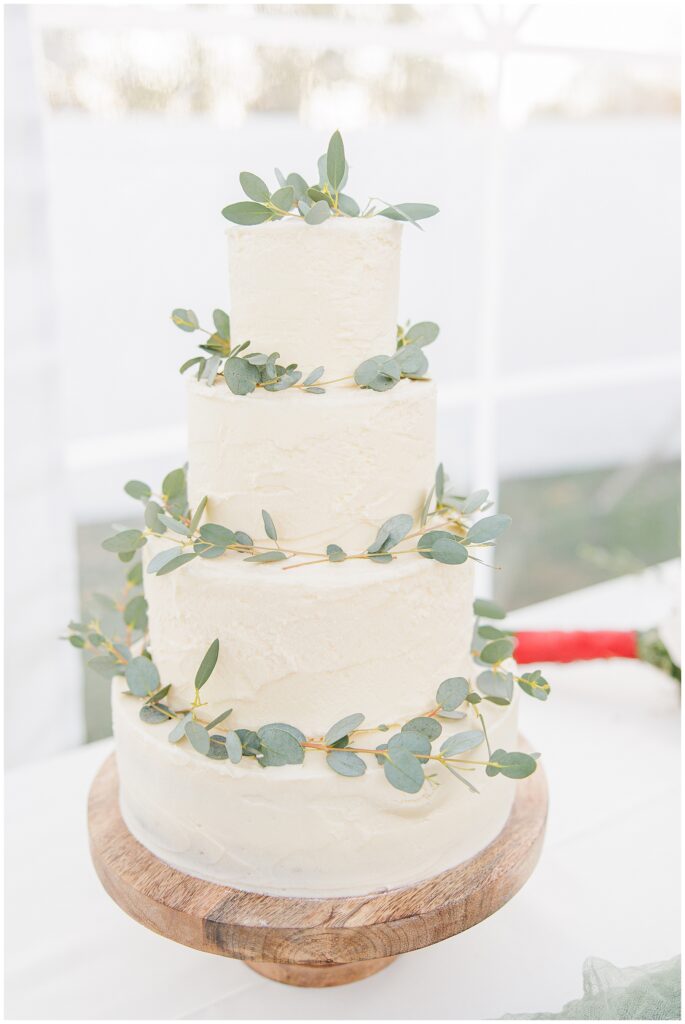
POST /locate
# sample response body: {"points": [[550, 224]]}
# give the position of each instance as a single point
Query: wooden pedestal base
{"points": [[312, 942], [321, 975]]}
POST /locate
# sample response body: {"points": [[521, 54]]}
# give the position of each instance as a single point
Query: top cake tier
{"points": [[323, 295]]}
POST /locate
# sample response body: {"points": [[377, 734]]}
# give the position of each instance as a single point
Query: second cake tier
{"points": [[312, 644], [329, 469]]}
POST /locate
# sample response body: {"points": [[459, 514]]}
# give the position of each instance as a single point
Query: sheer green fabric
{"points": [[650, 992]]}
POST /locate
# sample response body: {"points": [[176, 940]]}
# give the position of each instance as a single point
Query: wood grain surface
{"points": [[291, 932]]}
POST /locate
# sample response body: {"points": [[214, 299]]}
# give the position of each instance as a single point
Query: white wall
{"points": [[43, 710]]}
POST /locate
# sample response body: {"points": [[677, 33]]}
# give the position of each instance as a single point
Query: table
{"points": [[607, 884]]}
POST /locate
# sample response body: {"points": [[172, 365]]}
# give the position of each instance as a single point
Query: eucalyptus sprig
{"points": [[493, 648], [109, 631], [316, 202], [402, 757], [245, 371], [451, 541]]}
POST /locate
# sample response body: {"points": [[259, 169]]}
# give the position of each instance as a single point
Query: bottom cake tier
{"points": [[303, 830]]}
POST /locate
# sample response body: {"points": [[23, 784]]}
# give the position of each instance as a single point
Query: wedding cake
{"points": [[309, 710]]}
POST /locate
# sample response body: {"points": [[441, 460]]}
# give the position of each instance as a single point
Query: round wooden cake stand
{"points": [[312, 942]]}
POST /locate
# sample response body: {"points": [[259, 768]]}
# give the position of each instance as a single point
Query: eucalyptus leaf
{"points": [[335, 161], [451, 693], [241, 377], [137, 489], [185, 319], [426, 507], [346, 762], [222, 322], [318, 213], [106, 666], [221, 536], [458, 775], [490, 633], [440, 483], [317, 196], [512, 765], [210, 369], [534, 684], [135, 574], [267, 556], [449, 551], [423, 333], [292, 729], [348, 205], [174, 524], [487, 609], [278, 746], [163, 558], [234, 747], [217, 747], [312, 377], [174, 483], [284, 198], [428, 539], [190, 362], [461, 742], [487, 529], [124, 542], [152, 520], [391, 533], [403, 771], [409, 211], [474, 502], [207, 665], [197, 515], [297, 184], [153, 714], [247, 213], [269, 526], [135, 613], [416, 743], [179, 729], [379, 373], [343, 728], [142, 676], [427, 726], [249, 741], [335, 553], [254, 188], [198, 736], [412, 361], [496, 651], [497, 687], [218, 720], [157, 695]]}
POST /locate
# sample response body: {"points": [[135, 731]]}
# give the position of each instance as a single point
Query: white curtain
{"points": [[43, 707]]}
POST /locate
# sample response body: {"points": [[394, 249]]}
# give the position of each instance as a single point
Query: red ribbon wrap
{"points": [[579, 646]]}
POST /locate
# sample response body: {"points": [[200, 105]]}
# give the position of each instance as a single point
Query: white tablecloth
{"points": [[607, 883]]}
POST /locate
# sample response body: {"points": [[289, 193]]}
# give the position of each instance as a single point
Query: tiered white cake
{"points": [[313, 645]]}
